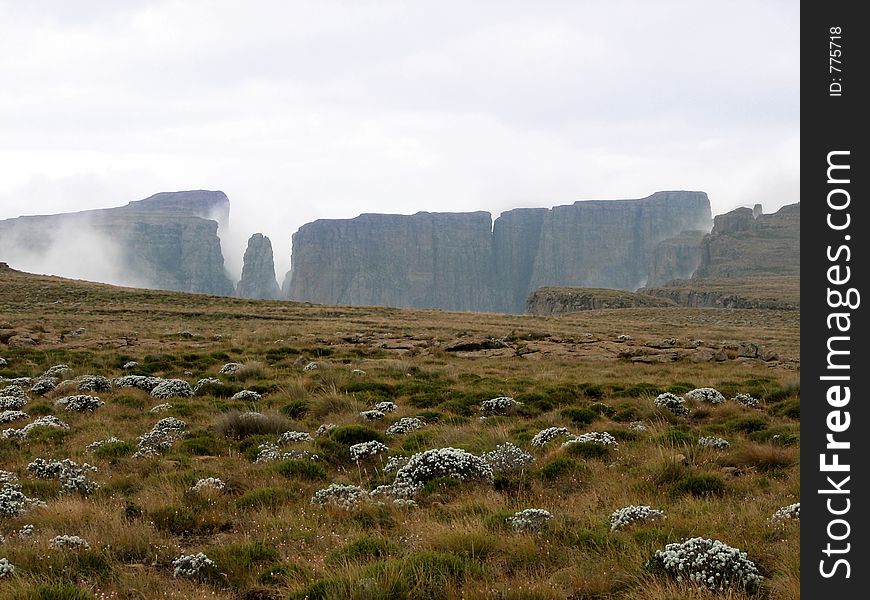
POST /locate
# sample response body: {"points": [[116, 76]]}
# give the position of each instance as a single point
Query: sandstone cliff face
{"points": [[426, 260], [464, 262], [742, 244], [160, 242], [675, 258], [609, 243], [258, 271]]}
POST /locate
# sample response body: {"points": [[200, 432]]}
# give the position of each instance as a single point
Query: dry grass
{"points": [[271, 541]]}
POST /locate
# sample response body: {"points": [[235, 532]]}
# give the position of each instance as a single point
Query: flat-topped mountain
{"points": [[167, 241], [464, 261]]}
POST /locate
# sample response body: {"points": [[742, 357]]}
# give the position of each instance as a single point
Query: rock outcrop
{"points": [[675, 258], [744, 243], [168, 241], [463, 261], [556, 301], [258, 271]]}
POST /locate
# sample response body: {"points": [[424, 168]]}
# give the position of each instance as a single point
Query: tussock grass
{"points": [[269, 541]]}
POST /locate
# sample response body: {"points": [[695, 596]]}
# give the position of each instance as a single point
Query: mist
{"points": [[72, 248]]}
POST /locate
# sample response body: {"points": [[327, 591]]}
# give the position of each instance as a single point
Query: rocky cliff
{"points": [[745, 243], [258, 271], [463, 261], [426, 260], [675, 258], [168, 241]]}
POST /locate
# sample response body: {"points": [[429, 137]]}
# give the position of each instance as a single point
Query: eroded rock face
{"points": [[675, 258], [556, 301], [167, 241], [742, 244], [258, 271], [463, 261]]}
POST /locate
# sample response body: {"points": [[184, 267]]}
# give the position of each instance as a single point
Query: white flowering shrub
{"points": [[673, 403], [784, 514], [8, 477], [130, 364], [443, 462], [7, 569], [204, 382], [593, 437], [247, 396], [638, 426], [26, 531], [394, 463], [386, 407], [503, 405], [13, 390], [94, 383], [624, 338], [69, 542], [712, 441], [269, 452], [230, 368], [405, 425], [549, 434], [209, 483], [46, 421], [100, 443], [530, 520], [507, 458], [161, 437], [58, 371], [358, 372], [708, 563], [72, 477], [341, 495], [294, 437], [367, 449], [193, 566], [8, 416], [159, 408], [312, 366], [746, 400], [630, 515], [43, 385], [372, 415], [706, 394], [141, 382], [12, 402], [324, 429], [80, 403], [3, 362], [172, 388], [14, 502]]}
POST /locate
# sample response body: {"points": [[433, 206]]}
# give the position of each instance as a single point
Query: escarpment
{"points": [[463, 261], [167, 241]]}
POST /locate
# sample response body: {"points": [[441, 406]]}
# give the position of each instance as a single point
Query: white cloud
{"points": [[302, 110]]}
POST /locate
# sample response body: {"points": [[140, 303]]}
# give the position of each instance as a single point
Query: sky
{"points": [[301, 110]]}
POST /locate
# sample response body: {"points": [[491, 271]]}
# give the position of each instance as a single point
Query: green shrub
{"points": [[295, 409], [355, 434], [240, 561], [302, 469], [218, 390], [202, 444], [129, 402], [184, 521], [681, 387], [114, 450], [787, 408], [364, 549], [625, 412], [578, 416], [747, 425], [238, 425], [588, 450], [642, 389], [39, 409], [417, 441], [279, 574], [601, 409], [561, 467], [701, 484]]}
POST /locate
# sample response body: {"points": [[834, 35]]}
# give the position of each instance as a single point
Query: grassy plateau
{"points": [[595, 371]]}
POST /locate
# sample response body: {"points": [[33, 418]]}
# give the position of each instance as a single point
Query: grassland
{"points": [[269, 541]]}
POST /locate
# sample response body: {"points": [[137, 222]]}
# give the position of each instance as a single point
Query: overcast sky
{"points": [[323, 109]]}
